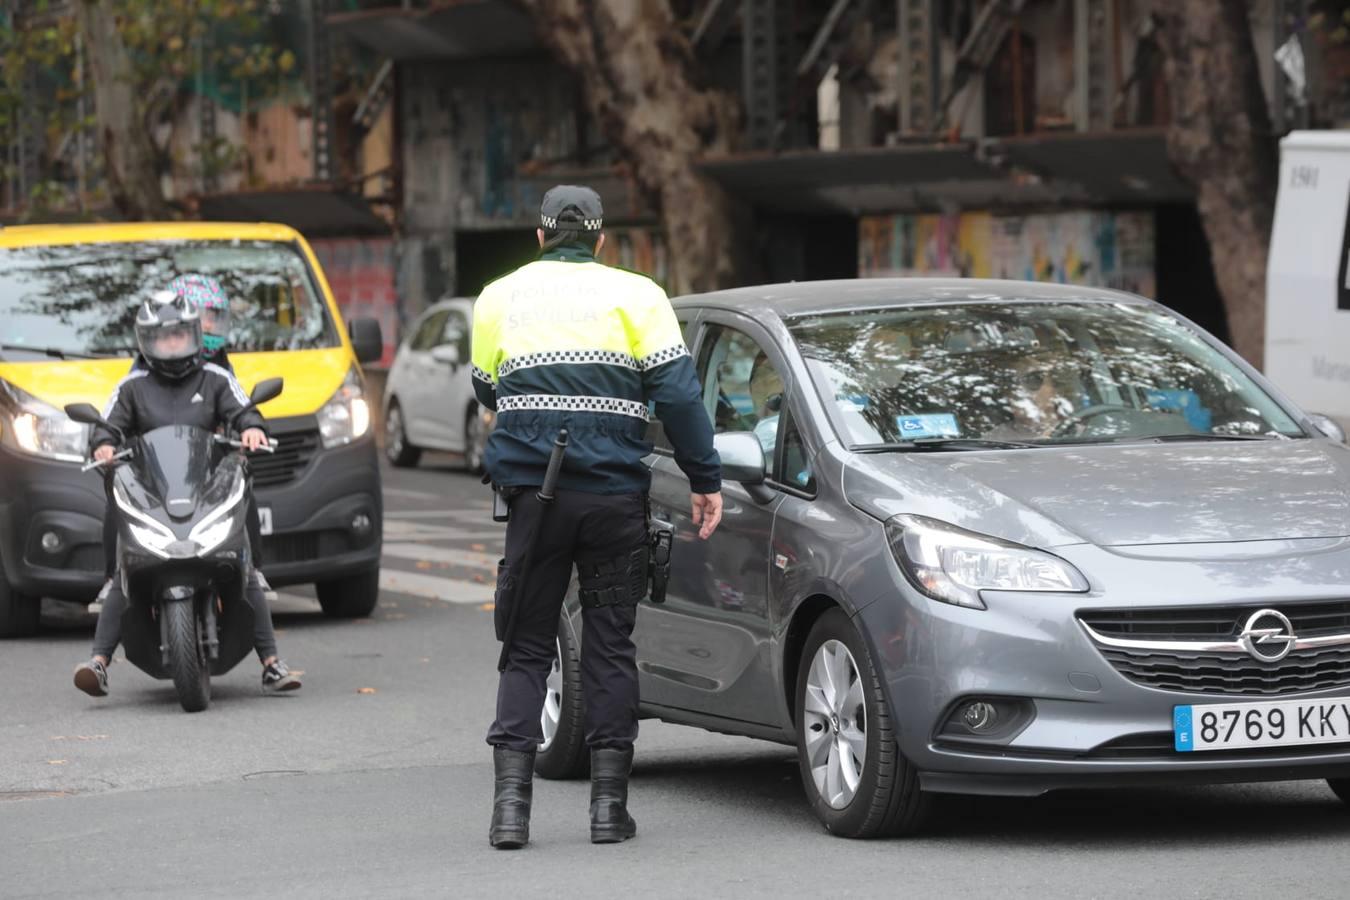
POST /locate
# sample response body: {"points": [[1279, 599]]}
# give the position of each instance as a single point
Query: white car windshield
{"points": [[81, 299], [1029, 373]]}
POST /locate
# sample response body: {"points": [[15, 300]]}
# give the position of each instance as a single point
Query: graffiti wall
{"points": [[361, 273], [1096, 248]]}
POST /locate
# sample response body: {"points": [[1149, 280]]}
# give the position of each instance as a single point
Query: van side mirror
{"points": [[367, 339], [1327, 426]]}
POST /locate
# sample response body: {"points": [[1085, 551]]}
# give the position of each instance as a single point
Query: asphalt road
{"points": [[374, 781]]}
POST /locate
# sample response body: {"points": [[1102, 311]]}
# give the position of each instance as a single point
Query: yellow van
{"points": [[68, 298]]}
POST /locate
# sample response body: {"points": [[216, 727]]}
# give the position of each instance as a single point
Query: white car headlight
{"points": [[42, 430], [953, 565], [346, 416]]}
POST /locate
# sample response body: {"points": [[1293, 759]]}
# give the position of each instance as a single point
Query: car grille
{"points": [[1222, 673], [291, 548], [1216, 622], [1147, 659], [293, 453]]}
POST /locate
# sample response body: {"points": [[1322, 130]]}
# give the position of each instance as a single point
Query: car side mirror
{"points": [[367, 339], [1327, 426], [446, 353], [742, 457]]}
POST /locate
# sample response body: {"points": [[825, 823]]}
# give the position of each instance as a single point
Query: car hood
{"points": [[1119, 495]]}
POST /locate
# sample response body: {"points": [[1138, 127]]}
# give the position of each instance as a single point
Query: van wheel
{"points": [[397, 449], [563, 755], [350, 598], [856, 779], [475, 440], [18, 612], [1341, 787]]}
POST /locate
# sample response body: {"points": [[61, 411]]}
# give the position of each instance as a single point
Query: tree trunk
{"points": [[637, 72], [123, 134], [1220, 139]]}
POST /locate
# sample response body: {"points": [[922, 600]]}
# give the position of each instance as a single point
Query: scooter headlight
{"points": [[211, 532]]}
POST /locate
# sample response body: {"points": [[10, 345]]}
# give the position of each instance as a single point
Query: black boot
{"points": [[610, 821], [514, 786]]}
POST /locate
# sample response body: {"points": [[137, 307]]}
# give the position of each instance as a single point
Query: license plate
{"points": [[1274, 723], [265, 520]]}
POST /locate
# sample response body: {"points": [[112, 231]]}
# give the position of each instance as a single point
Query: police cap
{"points": [[571, 207]]}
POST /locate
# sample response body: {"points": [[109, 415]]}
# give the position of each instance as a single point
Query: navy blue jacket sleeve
{"points": [[674, 387]]}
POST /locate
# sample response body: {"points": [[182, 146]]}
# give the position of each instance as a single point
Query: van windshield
{"points": [[80, 300]]}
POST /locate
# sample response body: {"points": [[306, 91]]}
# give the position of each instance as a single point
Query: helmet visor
{"points": [[174, 340]]}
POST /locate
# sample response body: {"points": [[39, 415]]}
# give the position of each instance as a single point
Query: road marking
{"points": [[447, 590], [483, 514], [404, 492], [395, 530], [470, 559]]}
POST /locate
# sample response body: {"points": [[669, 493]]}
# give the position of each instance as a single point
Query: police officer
{"points": [[567, 343]]}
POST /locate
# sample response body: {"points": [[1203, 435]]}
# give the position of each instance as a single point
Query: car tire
{"points": [[886, 799], [350, 598], [564, 754], [397, 448], [19, 613], [475, 440], [1341, 787]]}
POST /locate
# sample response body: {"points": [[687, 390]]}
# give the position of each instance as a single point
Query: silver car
{"points": [[994, 538], [429, 402]]}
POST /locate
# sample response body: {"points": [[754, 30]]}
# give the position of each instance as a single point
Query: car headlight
{"points": [[953, 565], [346, 416], [40, 429]]}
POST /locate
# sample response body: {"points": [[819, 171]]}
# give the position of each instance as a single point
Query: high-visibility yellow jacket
{"points": [[566, 342]]}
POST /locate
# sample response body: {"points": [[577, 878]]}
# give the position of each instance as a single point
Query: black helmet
{"points": [[169, 334], [571, 207]]}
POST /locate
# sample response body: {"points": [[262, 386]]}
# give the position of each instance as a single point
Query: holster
{"points": [[661, 542]]}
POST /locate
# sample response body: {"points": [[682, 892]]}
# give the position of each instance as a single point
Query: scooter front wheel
{"points": [[187, 656]]}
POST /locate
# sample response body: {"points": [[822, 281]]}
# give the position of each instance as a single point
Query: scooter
{"points": [[183, 548]]}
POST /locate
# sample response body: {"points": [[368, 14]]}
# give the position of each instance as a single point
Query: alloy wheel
{"points": [[834, 725], [393, 432], [552, 711]]}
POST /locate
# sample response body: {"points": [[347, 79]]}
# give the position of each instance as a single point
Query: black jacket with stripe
{"points": [[144, 401]]}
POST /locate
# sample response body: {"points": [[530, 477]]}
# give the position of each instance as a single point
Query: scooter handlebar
{"points": [[99, 463]]}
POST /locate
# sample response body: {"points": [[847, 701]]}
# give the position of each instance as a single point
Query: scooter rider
{"points": [[176, 388], [569, 352]]}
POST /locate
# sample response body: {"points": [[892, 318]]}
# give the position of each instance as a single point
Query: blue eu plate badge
{"points": [[1182, 723], [930, 425]]}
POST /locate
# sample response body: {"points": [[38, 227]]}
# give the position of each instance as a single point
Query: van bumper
{"points": [[328, 522], [39, 497]]}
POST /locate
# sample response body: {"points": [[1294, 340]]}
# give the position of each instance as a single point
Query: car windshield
{"points": [[1014, 374], [80, 299]]}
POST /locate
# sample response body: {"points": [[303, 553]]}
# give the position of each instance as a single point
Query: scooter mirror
{"points": [[84, 413], [268, 389]]}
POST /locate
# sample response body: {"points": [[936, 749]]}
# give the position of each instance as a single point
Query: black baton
{"points": [[545, 498]]}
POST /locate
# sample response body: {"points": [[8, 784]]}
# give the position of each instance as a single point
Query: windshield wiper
{"points": [[939, 443], [54, 352]]}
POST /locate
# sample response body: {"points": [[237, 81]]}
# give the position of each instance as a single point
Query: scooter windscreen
{"points": [[181, 488]]}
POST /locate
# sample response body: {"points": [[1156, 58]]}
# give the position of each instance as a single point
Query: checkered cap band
{"points": [[554, 403], [566, 358], [551, 224]]}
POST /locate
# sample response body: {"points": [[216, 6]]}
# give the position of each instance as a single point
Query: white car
{"points": [[428, 400]]}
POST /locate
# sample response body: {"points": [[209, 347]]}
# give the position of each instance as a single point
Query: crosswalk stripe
{"points": [[447, 590], [396, 530], [469, 559], [483, 514]]}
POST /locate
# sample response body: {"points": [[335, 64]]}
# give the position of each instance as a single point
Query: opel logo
{"points": [[1268, 636]]}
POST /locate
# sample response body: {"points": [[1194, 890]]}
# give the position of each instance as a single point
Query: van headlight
{"points": [[39, 429], [346, 416], [953, 565]]}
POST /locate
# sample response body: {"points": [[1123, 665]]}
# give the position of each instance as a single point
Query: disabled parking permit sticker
{"points": [[930, 425]]}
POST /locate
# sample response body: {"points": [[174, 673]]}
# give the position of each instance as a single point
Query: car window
{"points": [[456, 332], [796, 467], [429, 332], [656, 431], [742, 391], [82, 298], [1029, 372]]}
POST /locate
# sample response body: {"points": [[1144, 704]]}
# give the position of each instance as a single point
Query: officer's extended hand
{"points": [[253, 439], [103, 453], [707, 511]]}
